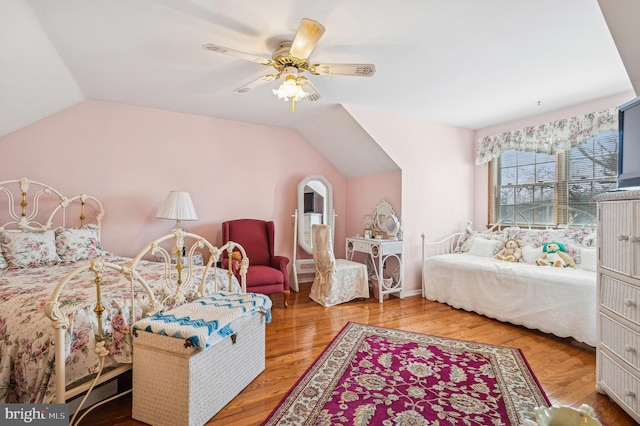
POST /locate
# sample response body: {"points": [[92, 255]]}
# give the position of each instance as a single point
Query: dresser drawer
{"points": [[625, 386], [621, 340], [392, 247], [362, 246], [620, 297]]}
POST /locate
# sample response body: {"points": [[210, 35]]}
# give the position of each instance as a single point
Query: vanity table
{"points": [[378, 252]]}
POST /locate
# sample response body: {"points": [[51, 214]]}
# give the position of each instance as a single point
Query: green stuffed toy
{"points": [[554, 254]]}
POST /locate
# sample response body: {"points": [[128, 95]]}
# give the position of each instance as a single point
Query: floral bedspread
{"points": [[27, 337]]}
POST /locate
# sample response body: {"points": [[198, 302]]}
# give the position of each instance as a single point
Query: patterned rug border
{"points": [[351, 345]]}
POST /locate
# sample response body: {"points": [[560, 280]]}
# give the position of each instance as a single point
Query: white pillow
{"points": [[484, 248], [531, 253], [588, 259]]}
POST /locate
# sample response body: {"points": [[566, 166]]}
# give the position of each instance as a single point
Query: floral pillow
{"points": [[78, 244], [526, 237], [25, 249]]}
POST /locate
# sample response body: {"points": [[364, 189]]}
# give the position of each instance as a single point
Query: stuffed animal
{"points": [[553, 254], [511, 251]]}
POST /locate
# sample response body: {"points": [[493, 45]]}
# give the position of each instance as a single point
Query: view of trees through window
{"points": [[553, 189]]}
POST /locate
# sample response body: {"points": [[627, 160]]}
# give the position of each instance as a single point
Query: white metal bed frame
{"points": [[178, 277]]}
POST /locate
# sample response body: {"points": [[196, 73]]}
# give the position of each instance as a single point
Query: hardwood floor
{"points": [[299, 333]]}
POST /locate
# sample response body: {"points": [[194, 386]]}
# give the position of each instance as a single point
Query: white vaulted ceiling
{"points": [[465, 63]]}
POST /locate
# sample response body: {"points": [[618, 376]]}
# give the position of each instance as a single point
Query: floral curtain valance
{"points": [[550, 138]]}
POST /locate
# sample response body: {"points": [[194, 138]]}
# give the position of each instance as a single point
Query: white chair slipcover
{"points": [[337, 280]]}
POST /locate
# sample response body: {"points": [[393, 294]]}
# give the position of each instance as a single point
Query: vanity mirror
{"points": [[386, 219]]}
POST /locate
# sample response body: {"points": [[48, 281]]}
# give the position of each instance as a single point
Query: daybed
{"points": [[60, 289], [461, 271]]}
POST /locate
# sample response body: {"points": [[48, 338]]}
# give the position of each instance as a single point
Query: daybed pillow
{"points": [[526, 237], [466, 241], [530, 254], [483, 247], [78, 244], [588, 259], [24, 249]]}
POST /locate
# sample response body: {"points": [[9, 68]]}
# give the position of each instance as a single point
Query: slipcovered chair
{"points": [[267, 273], [337, 280]]}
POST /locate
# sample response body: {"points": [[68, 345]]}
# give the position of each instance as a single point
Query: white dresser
{"points": [[618, 349]]}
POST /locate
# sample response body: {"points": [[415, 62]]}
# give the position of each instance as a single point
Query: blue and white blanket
{"points": [[207, 321]]}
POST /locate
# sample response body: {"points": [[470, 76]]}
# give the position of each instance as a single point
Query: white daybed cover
{"points": [[561, 301]]}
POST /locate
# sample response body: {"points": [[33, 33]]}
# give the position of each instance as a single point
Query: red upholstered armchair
{"points": [[267, 274]]}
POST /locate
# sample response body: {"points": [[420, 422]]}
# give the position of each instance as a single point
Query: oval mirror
{"points": [[315, 206], [387, 219]]}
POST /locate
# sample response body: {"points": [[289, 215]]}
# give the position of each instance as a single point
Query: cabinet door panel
{"points": [[635, 236], [614, 235]]}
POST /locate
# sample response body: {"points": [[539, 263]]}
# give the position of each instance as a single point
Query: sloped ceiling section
{"points": [[622, 19], [336, 135], [34, 81]]}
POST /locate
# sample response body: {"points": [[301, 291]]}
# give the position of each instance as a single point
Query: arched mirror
{"points": [[315, 206]]}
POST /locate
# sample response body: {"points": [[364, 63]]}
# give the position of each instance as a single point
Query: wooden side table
{"points": [[378, 252]]}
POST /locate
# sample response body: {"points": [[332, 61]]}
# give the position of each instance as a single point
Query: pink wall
{"points": [[436, 183], [130, 157], [364, 194], [481, 179]]}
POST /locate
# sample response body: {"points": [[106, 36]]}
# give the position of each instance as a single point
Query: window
{"points": [[553, 189]]}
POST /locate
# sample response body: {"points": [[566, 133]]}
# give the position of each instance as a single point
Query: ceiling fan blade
{"points": [[360, 70], [308, 35], [238, 54], [256, 83], [313, 94]]}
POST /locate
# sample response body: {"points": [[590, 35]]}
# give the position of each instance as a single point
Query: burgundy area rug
{"points": [[380, 376]]}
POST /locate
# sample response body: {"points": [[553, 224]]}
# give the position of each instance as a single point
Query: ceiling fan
{"points": [[290, 59]]}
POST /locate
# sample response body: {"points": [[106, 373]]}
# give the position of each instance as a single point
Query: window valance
{"points": [[550, 138]]}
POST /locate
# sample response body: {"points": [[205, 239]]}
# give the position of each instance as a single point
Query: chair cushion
{"points": [[263, 275]]}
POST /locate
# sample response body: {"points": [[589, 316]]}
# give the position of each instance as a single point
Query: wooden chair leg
{"points": [[286, 297]]}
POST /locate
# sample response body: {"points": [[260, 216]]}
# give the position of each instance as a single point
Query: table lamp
{"points": [[178, 206]]}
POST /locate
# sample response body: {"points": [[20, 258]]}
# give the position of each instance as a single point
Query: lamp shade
{"points": [[178, 206]]}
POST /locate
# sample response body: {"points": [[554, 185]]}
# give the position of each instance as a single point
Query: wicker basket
{"points": [[174, 385], [376, 288]]}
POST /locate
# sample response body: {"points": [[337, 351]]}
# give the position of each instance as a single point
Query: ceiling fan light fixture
{"points": [[290, 89]]}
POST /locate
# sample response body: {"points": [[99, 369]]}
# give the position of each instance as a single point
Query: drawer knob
{"points": [[628, 348], [629, 303], [634, 239], [622, 237], [630, 393]]}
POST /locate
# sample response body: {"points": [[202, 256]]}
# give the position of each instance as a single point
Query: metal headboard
{"points": [[576, 218], [35, 206]]}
